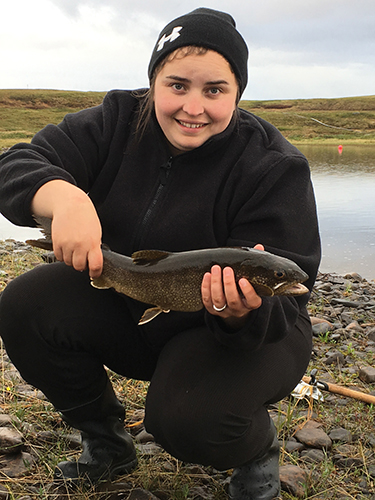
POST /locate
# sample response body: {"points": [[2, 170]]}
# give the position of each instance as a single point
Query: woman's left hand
{"points": [[221, 297]]}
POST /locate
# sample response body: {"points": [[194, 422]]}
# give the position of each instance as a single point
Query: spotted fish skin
{"points": [[172, 281]]}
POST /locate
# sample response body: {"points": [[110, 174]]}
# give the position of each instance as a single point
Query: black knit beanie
{"points": [[208, 28]]}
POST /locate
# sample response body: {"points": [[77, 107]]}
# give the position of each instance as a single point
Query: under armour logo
{"points": [[175, 34]]}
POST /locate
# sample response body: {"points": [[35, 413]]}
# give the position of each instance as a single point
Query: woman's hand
{"points": [[221, 297], [76, 229], [76, 237]]}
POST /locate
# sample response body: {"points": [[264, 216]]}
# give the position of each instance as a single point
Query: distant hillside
{"points": [[350, 119]]}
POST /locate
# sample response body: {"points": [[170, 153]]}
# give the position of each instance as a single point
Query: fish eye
{"points": [[279, 274]]}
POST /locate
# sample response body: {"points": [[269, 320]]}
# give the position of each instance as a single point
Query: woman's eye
{"points": [[177, 86], [214, 91]]}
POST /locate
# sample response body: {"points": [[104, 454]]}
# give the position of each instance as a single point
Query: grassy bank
{"points": [[309, 121], [302, 121], [24, 112]]}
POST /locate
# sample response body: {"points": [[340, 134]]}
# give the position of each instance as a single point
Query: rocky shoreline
{"points": [[327, 447]]}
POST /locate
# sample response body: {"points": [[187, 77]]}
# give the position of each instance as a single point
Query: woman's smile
{"points": [[191, 125]]}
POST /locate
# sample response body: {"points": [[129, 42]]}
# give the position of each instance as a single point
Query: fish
{"points": [[171, 281]]}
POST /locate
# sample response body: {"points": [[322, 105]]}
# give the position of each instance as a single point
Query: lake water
{"points": [[345, 193]]}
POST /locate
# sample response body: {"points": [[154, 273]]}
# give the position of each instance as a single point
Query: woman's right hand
{"points": [[76, 229]]}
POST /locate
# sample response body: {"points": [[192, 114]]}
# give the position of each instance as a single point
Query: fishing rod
{"points": [[337, 389]]}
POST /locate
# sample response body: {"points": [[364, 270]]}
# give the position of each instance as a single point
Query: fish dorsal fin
{"points": [[150, 314], [44, 225], [148, 257]]}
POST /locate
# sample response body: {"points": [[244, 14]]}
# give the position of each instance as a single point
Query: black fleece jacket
{"points": [[244, 186]]}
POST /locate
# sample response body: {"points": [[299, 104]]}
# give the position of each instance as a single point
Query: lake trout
{"points": [[171, 281]]}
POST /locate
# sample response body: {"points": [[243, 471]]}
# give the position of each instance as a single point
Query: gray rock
{"points": [[16, 465], [341, 435], [367, 374], [291, 446], [335, 358], [314, 438], [345, 303], [321, 328], [343, 461], [5, 420], [4, 493], [346, 318], [201, 492], [144, 437], [11, 441], [293, 480], [313, 456], [371, 334], [140, 494], [148, 449]]}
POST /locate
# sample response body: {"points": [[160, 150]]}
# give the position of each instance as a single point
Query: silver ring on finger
{"points": [[219, 309]]}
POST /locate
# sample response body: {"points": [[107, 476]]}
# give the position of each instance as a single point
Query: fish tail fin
{"points": [[41, 243], [44, 224]]}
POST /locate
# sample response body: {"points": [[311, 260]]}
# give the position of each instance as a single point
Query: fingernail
{"points": [[227, 271]]}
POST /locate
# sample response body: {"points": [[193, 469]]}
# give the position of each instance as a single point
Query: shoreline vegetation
{"points": [[347, 120]]}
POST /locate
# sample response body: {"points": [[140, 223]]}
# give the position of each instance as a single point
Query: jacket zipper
{"points": [[164, 173]]}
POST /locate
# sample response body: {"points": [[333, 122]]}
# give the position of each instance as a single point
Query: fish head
{"points": [[271, 275]]}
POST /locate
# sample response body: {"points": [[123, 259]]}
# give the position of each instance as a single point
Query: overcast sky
{"points": [[298, 48]]}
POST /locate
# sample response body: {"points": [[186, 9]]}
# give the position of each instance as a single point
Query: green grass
{"points": [[24, 112], [346, 120]]}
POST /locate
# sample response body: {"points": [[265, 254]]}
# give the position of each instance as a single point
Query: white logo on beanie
{"points": [[175, 34]]}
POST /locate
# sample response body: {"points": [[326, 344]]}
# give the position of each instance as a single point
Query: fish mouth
{"points": [[291, 289]]}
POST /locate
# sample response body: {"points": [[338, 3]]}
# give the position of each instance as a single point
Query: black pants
{"points": [[206, 402]]}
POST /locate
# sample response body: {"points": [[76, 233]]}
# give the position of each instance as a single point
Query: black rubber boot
{"points": [[108, 450], [258, 479]]}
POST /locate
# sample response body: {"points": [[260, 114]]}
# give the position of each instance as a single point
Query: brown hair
{"points": [[146, 98]]}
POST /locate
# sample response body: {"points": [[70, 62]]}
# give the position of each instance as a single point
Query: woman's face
{"points": [[194, 97]]}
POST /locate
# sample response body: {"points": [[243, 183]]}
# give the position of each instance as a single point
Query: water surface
{"points": [[345, 192]]}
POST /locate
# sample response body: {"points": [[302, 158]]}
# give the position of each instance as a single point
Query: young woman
{"points": [[176, 167]]}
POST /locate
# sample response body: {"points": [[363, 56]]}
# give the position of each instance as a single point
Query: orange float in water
{"points": [[340, 149]]}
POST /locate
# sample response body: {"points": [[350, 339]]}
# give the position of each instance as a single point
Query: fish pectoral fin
{"points": [[99, 283], [150, 314], [148, 257]]}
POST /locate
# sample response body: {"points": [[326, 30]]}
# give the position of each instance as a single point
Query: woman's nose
{"points": [[193, 105]]}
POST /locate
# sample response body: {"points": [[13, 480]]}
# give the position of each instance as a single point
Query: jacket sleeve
{"points": [[277, 209], [75, 151]]}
